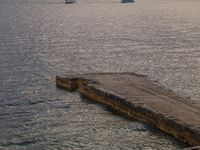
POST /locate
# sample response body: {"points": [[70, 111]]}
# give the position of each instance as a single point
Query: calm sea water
{"points": [[40, 39]]}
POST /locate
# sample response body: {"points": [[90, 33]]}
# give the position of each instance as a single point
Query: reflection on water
{"points": [[42, 38]]}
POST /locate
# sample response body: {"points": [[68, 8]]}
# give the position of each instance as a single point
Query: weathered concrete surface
{"points": [[192, 148], [139, 98]]}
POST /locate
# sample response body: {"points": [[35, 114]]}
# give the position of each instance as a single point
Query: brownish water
{"points": [[42, 38]]}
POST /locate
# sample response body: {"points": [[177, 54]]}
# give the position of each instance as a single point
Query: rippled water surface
{"points": [[42, 38]]}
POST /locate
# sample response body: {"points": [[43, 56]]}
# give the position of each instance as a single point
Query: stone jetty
{"points": [[137, 97]]}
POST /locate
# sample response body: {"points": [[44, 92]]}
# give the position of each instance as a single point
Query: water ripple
{"points": [[41, 39]]}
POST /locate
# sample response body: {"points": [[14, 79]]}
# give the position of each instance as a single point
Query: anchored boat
{"points": [[127, 1], [70, 1]]}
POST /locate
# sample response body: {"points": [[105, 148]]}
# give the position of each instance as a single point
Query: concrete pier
{"points": [[139, 98]]}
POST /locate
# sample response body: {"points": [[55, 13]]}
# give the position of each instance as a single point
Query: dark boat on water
{"points": [[127, 1], [69, 1]]}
